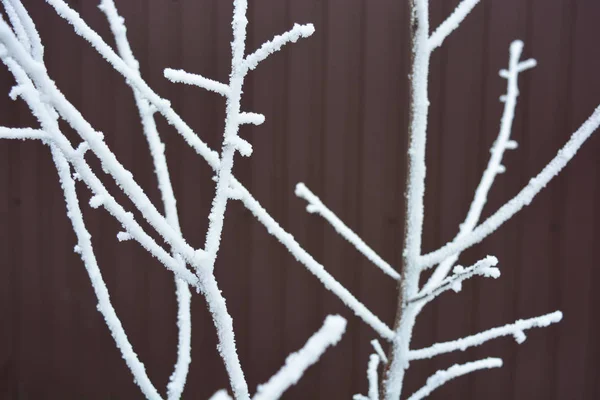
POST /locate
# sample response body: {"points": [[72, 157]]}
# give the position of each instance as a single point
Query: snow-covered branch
{"points": [[311, 264], [71, 115], [485, 268], [379, 350], [275, 44], [494, 167], [451, 23], [522, 199], [373, 377], [45, 115], [515, 329], [212, 158], [179, 376], [317, 207], [86, 252], [181, 76], [415, 192], [24, 28], [441, 377], [23, 133], [296, 363]]}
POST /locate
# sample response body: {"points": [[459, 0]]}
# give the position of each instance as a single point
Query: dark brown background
{"points": [[336, 108]]}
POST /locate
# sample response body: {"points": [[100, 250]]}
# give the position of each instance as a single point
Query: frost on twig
{"points": [[451, 23], [23, 133], [494, 167], [181, 76], [297, 363], [373, 377], [317, 207], [485, 268], [274, 45], [441, 377], [515, 329], [313, 266], [522, 199], [379, 350], [179, 375], [163, 106]]}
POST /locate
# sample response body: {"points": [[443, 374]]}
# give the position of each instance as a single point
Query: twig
{"points": [[451, 23], [23, 133], [494, 166], [372, 377], [441, 377], [317, 207], [483, 267], [515, 329], [297, 363], [181, 76], [184, 322], [522, 199]]}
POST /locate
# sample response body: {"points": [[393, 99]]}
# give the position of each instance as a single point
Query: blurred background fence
{"points": [[336, 108]]}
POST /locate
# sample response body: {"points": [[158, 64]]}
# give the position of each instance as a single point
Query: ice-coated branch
{"points": [[24, 28], [178, 378], [379, 350], [45, 116], [441, 377], [485, 268], [133, 78], [275, 44], [451, 23], [220, 395], [372, 377], [164, 107], [181, 76], [494, 167], [212, 158], [522, 199], [311, 264], [17, 25], [88, 257], [315, 206], [515, 329], [71, 115], [48, 120], [23, 133], [415, 192], [297, 363]]}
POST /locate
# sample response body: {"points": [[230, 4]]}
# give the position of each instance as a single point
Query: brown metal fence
{"points": [[336, 108]]}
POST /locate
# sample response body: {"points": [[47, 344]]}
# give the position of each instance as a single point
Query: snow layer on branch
{"points": [[451, 23], [515, 329], [25, 28], [494, 167], [179, 376], [275, 44], [523, 198], [23, 133], [311, 264], [181, 76], [89, 259], [316, 206], [296, 363], [483, 268], [379, 350], [441, 377], [372, 376]]}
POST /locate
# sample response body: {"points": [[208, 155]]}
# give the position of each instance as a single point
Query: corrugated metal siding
{"points": [[336, 108]]}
